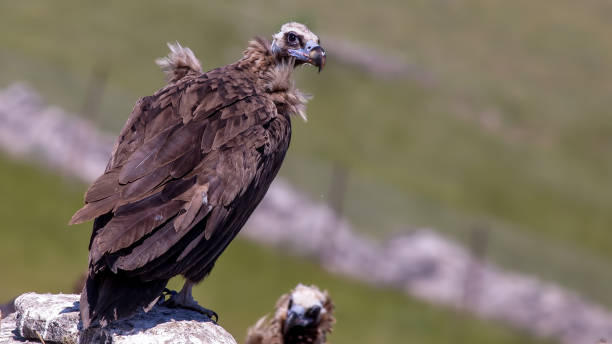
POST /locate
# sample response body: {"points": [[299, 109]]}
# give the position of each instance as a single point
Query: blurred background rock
{"points": [[486, 121]]}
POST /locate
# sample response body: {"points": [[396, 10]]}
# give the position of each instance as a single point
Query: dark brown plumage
{"points": [[188, 169], [303, 316]]}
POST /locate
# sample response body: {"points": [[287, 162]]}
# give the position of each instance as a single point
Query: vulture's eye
{"points": [[292, 38]]}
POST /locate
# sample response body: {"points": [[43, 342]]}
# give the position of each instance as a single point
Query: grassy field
{"points": [[514, 133], [41, 253]]}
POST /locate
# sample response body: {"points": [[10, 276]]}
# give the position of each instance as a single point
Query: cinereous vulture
{"points": [[303, 316], [188, 169]]}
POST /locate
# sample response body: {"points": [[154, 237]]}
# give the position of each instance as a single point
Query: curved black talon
{"points": [[214, 314], [166, 295], [208, 312], [167, 291]]}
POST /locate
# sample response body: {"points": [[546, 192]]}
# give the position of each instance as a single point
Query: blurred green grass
{"points": [[41, 253], [513, 135]]}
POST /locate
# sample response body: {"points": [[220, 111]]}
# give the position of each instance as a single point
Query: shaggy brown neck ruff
{"points": [[275, 76], [257, 58]]}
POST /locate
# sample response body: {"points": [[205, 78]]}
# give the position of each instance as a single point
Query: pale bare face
{"points": [[307, 297], [295, 40], [300, 30], [306, 306]]}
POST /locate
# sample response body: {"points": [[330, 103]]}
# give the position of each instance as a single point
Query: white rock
{"points": [[55, 318]]}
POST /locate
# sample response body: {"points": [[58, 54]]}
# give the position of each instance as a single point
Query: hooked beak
{"points": [[297, 317], [312, 53]]}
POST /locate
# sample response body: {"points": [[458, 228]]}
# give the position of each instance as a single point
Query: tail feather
{"points": [[180, 62], [107, 296]]}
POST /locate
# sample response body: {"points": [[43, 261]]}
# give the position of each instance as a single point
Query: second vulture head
{"points": [[295, 41]]}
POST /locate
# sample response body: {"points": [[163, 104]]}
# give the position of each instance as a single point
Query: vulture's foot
{"points": [[184, 299]]}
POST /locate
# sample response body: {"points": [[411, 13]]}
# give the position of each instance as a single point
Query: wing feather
{"points": [[184, 164], [199, 199], [94, 209], [151, 248], [105, 186], [122, 231], [179, 143], [141, 162], [141, 186]]}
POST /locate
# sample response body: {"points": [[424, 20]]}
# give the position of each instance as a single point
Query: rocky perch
{"points": [[55, 318]]}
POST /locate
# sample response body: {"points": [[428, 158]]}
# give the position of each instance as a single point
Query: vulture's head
{"points": [[295, 42], [305, 313], [302, 316]]}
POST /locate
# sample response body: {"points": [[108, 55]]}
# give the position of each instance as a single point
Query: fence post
{"points": [[472, 284]]}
